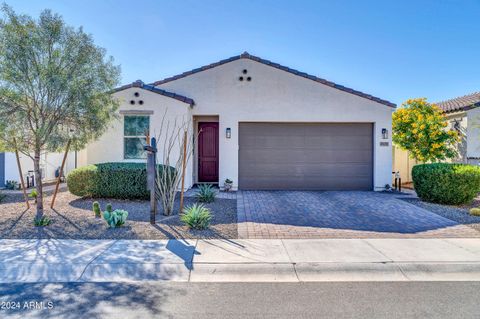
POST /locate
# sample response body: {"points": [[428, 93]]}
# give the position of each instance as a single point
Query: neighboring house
{"points": [[260, 124], [463, 115], [49, 163]]}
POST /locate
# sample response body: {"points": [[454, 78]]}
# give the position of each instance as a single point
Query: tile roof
{"points": [[461, 103], [141, 85], [246, 55]]}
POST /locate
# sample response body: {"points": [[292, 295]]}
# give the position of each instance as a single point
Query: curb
{"points": [[241, 272]]}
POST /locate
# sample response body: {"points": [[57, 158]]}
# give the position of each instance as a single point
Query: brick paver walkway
{"points": [[308, 214]]}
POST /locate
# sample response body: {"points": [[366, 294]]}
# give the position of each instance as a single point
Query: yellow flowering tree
{"points": [[421, 128]]}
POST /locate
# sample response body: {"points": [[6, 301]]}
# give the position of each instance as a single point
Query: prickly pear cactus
{"points": [[96, 209], [116, 218], [109, 208]]}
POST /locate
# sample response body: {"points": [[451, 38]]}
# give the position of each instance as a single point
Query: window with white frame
{"points": [[135, 131]]}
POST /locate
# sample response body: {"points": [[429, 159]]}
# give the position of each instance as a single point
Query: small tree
{"points": [[420, 128], [53, 80]]}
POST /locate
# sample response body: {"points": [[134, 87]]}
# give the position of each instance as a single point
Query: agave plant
{"points": [[206, 193], [196, 216]]}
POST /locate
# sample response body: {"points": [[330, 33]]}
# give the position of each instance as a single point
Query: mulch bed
{"points": [[73, 218]]}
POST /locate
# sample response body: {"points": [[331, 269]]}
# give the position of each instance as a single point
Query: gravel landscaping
{"points": [[73, 218], [459, 214]]}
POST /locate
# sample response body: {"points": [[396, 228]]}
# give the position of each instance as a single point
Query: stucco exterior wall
{"points": [[277, 96], [403, 164], [473, 136], [110, 147]]}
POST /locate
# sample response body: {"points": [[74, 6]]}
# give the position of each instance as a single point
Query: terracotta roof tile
{"points": [[246, 55], [141, 85], [461, 103]]}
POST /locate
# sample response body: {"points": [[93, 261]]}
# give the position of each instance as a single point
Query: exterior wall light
{"points": [[228, 132], [384, 133]]}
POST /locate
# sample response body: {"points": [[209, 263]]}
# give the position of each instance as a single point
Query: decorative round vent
{"points": [[140, 102], [244, 71], [136, 94], [249, 79], [132, 102], [240, 78]]}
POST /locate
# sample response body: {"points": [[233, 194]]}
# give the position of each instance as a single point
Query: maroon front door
{"points": [[208, 152]]}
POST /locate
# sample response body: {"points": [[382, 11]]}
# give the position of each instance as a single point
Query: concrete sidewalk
{"points": [[294, 260]]}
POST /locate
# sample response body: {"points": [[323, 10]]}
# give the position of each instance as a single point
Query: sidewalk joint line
{"points": [[291, 261], [95, 258], [374, 248]]}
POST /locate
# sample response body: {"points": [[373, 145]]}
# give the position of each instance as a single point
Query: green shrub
{"points": [[475, 212], [96, 209], [444, 183], [10, 184], [33, 194], [40, 222], [110, 180], [206, 193], [116, 218], [2, 196], [196, 216]]}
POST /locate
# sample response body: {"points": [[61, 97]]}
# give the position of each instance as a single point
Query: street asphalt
{"points": [[241, 300]]}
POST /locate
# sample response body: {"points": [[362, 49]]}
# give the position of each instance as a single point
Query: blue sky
{"points": [[391, 49]]}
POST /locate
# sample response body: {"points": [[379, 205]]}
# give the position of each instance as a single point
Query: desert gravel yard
{"points": [[73, 218], [460, 214]]}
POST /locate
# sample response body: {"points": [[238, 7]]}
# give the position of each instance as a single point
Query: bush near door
{"points": [[110, 180], [444, 183]]}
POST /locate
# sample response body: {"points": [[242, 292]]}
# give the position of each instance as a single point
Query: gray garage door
{"points": [[319, 156]]}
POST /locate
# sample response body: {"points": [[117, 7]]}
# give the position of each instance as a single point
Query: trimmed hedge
{"points": [[110, 180], [443, 183]]}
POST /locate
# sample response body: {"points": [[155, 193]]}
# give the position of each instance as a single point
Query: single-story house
{"points": [[260, 124], [463, 115]]}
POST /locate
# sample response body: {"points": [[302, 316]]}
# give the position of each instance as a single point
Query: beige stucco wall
{"points": [[473, 136], [277, 96], [110, 148], [402, 163]]}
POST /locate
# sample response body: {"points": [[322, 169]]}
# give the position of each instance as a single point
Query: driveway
{"points": [[335, 214]]}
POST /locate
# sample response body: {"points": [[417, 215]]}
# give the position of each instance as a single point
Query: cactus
{"points": [[109, 208], [96, 209], [116, 218]]}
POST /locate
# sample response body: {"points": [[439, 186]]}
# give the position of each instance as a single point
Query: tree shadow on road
{"points": [[86, 300]]}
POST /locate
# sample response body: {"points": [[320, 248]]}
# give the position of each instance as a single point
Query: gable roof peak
{"points": [[139, 84], [246, 55]]}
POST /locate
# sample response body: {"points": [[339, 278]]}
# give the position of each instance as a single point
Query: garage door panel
{"points": [[305, 156], [306, 142], [313, 170], [286, 183], [298, 156]]}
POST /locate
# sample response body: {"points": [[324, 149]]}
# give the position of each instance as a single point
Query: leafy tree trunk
{"points": [[38, 182]]}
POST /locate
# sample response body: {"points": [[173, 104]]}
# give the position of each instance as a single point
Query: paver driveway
{"points": [[334, 214]]}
